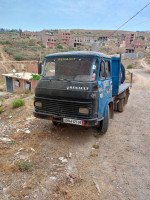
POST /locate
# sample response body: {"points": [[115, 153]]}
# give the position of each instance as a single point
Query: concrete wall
{"points": [[19, 88], [32, 67], [23, 85], [133, 55]]}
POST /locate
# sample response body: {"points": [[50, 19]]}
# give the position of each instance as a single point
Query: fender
{"points": [[106, 104]]}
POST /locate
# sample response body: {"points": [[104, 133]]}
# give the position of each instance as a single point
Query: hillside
{"points": [[15, 49]]}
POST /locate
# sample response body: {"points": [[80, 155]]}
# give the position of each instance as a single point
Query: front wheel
{"points": [[55, 123], [103, 125]]}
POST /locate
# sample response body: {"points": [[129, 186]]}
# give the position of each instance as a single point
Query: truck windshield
{"points": [[77, 68]]}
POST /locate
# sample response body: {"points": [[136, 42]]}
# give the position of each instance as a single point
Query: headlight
{"points": [[38, 104], [84, 111]]}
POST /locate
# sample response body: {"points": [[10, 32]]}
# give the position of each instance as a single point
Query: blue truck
{"points": [[82, 88]]}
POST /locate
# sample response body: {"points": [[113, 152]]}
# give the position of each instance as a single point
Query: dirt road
{"points": [[118, 170]]}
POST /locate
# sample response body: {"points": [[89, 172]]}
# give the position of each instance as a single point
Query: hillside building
{"points": [[64, 36], [49, 41], [19, 82]]}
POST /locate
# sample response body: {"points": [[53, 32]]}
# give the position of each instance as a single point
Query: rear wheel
{"points": [[121, 105], [103, 125], [115, 107]]}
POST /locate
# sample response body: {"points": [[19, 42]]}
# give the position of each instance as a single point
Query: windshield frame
{"points": [[95, 59]]}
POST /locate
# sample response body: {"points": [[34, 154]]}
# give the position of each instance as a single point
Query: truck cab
{"points": [[79, 88]]}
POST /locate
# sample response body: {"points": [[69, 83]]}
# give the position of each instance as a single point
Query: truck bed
{"points": [[123, 87]]}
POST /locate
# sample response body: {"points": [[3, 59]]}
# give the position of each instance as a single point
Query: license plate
{"points": [[73, 121]]}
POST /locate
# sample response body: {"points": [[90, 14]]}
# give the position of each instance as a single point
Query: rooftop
{"points": [[23, 75], [78, 53]]}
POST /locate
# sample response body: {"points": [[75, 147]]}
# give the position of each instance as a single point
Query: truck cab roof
{"points": [[78, 53]]}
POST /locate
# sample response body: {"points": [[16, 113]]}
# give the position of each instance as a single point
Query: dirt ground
{"points": [[43, 162]]}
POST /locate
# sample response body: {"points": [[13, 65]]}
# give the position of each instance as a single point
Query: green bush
{"points": [[17, 103], [130, 66], [24, 166], [5, 42], [27, 91], [96, 146], [35, 77], [43, 46], [18, 57], [59, 46], [2, 109], [8, 50]]}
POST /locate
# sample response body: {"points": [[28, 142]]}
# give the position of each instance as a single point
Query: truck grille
{"points": [[63, 108]]}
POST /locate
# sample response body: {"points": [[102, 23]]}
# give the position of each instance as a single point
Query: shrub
{"points": [[18, 102], [24, 166], [2, 109], [97, 135], [12, 143], [8, 50], [5, 42], [35, 77], [96, 146], [18, 57], [130, 66], [92, 154], [27, 91], [59, 46], [43, 46]]}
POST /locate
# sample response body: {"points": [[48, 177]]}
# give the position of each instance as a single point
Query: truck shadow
{"points": [[76, 132]]}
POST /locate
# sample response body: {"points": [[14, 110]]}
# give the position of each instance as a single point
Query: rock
{"points": [[69, 155], [53, 178], [97, 187], [63, 160], [9, 117], [27, 131], [21, 149], [5, 139], [32, 149], [5, 189], [18, 130], [17, 153]]}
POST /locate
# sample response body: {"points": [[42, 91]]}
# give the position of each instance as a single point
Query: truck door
{"points": [[104, 85]]}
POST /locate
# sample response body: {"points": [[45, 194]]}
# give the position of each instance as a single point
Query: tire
{"points": [[103, 125], [121, 105], [55, 123], [115, 107]]}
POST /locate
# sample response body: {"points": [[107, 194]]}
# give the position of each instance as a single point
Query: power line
{"points": [[129, 19], [138, 23]]}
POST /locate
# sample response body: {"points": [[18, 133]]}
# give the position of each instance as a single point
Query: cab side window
{"points": [[105, 69], [102, 70]]}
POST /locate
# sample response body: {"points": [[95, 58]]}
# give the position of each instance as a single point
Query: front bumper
{"points": [[86, 122]]}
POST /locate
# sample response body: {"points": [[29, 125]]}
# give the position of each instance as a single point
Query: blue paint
{"points": [[109, 86]]}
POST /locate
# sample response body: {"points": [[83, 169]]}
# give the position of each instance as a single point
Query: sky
{"points": [[35, 15]]}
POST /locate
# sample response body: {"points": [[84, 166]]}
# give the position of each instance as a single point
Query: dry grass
{"points": [[8, 166]]}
